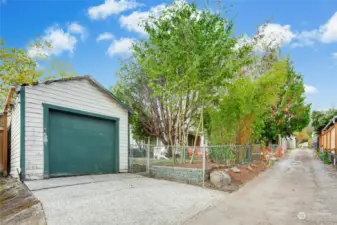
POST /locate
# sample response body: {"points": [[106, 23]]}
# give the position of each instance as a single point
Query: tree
{"points": [[17, 67], [238, 118], [290, 114], [189, 55], [133, 91], [321, 118], [302, 136]]}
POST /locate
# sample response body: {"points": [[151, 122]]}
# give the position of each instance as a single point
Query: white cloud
{"points": [[334, 55], [310, 89], [329, 30], [306, 38], [60, 41], [105, 36], [111, 7], [76, 28], [326, 33], [121, 46], [134, 21], [274, 35]]}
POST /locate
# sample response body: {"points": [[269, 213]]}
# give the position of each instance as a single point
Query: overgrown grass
{"points": [[324, 156]]}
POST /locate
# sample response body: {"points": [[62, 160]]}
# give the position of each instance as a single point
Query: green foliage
{"points": [[324, 156], [17, 67], [240, 110], [321, 118], [189, 55], [302, 136], [221, 155], [310, 143], [290, 113]]}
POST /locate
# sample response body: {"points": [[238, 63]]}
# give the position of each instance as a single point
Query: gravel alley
{"points": [[299, 189]]}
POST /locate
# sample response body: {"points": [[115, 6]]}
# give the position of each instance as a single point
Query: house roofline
{"points": [[90, 79], [332, 121]]}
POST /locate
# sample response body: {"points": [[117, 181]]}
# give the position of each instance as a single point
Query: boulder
{"points": [[220, 179]]}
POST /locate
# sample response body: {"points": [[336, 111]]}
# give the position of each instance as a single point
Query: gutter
{"points": [[5, 131]]}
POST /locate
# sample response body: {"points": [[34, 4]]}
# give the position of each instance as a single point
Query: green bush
{"points": [[324, 156], [221, 155]]}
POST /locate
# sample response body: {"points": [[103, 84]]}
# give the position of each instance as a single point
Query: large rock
{"points": [[220, 179]]}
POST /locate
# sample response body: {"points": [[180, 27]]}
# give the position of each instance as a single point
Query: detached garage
{"points": [[66, 127]]}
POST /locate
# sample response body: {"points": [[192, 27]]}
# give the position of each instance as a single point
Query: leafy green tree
{"points": [[321, 118], [189, 55], [132, 92], [290, 113], [238, 118], [17, 67]]}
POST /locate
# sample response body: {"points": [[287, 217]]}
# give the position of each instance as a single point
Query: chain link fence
{"points": [[143, 156]]}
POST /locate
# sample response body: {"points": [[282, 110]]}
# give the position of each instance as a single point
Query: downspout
{"points": [[5, 135]]}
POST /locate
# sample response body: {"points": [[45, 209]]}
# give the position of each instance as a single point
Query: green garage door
{"points": [[80, 144]]}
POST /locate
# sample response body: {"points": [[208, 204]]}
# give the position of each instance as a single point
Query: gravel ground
{"points": [[120, 199], [299, 189]]}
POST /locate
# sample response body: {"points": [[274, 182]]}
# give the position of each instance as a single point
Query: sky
{"points": [[94, 36]]}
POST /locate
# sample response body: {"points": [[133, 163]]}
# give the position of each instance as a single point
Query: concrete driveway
{"points": [[120, 199]]}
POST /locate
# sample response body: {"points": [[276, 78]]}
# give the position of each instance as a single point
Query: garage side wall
{"points": [[14, 141], [75, 94]]}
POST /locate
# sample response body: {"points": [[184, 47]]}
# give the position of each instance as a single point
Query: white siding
{"points": [[75, 94], [15, 139]]}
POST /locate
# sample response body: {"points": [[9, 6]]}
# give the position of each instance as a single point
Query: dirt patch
{"points": [[246, 173], [18, 205]]}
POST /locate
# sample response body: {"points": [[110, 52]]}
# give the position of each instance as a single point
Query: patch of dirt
{"points": [[246, 173], [18, 205]]}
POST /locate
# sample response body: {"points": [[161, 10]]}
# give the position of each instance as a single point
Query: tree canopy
{"points": [[290, 113], [192, 72], [321, 118], [187, 57], [17, 67]]}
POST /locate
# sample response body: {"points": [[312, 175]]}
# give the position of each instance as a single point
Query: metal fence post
{"points": [[148, 157], [203, 166]]}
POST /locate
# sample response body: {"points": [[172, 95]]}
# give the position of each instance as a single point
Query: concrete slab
{"points": [[121, 199], [34, 185]]}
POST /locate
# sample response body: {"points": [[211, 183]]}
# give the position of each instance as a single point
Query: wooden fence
{"points": [[1, 149], [328, 138]]}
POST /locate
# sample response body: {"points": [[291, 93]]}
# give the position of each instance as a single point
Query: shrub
{"points": [[324, 156], [221, 155]]}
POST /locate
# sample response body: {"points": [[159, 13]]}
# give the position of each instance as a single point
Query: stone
{"points": [[230, 188], [235, 169], [250, 168], [220, 179]]}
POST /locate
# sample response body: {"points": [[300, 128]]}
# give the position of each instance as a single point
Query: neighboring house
{"points": [[327, 139], [69, 126], [288, 143]]}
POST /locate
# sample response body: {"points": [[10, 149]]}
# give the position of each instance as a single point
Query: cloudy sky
{"points": [[94, 35]]}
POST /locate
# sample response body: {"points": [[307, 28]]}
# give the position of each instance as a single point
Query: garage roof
{"points": [[331, 122], [91, 80]]}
